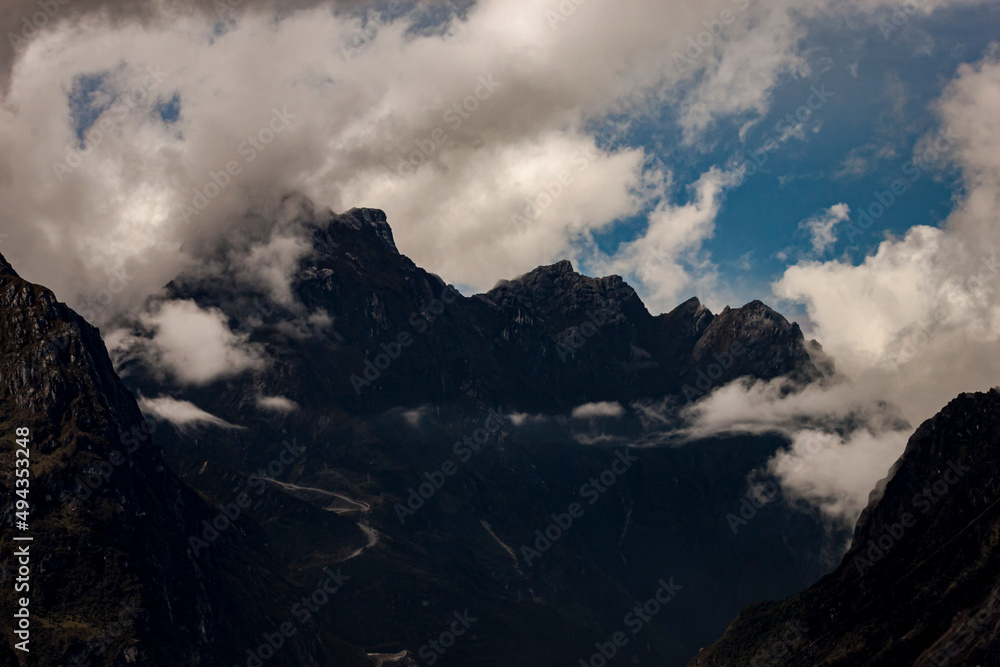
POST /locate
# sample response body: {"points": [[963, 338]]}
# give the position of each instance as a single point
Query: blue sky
{"points": [[369, 125], [880, 83], [884, 88]]}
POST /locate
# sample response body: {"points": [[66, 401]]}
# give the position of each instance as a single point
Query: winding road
{"points": [[356, 506]]}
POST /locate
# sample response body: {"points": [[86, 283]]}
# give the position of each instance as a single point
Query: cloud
{"points": [[778, 406], [182, 414], [196, 346], [277, 404], [477, 135], [666, 260], [460, 129], [844, 437], [862, 160], [752, 54], [521, 418], [416, 416], [836, 474], [602, 409], [914, 324], [821, 226]]}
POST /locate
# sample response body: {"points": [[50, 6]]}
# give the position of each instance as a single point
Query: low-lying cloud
{"points": [[913, 325], [185, 415], [602, 409], [192, 345]]}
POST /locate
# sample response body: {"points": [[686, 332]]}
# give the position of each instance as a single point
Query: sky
{"points": [[838, 161]]}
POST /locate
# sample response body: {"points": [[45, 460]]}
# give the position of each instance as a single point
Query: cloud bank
{"points": [[131, 132], [134, 135], [185, 415], [913, 325]]}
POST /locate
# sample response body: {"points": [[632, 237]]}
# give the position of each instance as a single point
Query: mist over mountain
{"points": [[114, 578], [513, 453], [919, 585], [340, 444], [498, 332]]}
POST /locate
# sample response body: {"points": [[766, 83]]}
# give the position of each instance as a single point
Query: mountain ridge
{"points": [[919, 584], [110, 523], [385, 399], [581, 339]]}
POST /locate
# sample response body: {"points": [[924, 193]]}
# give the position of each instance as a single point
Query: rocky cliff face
{"points": [[920, 584], [114, 578], [379, 421], [546, 341]]}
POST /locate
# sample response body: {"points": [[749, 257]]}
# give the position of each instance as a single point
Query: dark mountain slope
{"points": [[921, 583], [114, 579], [545, 342], [378, 421]]}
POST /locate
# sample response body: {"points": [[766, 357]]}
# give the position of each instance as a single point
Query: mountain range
{"points": [[402, 474]]}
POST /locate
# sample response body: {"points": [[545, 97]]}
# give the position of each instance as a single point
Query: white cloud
{"points": [[196, 346], [277, 404], [666, 260], [821, 226], [913, 325], [416, 416], [524, 150], [393, 99], [602, 409], [835, 473], [182, 414], [754, 52], [825, 467]]}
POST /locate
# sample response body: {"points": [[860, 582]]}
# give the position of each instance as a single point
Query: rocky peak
{"points": [[6, 268], [773, 345], [691, 312], [757, 313], [919, 584], [371, 219], [557, 291], [115, 519]]}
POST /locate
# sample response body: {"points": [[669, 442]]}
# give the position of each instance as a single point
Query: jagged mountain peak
{"points": [[561, 268], [368, 218], [692, 309], [757, 310], [694, 303], [115, 520], [579, 338], [547, 274], [919, 584], [757, 317], [5, 267], [559, 291]]}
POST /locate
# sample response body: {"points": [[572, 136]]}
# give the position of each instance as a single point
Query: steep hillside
{"points": [[555, 376], [921, 582], [114, 578]]}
